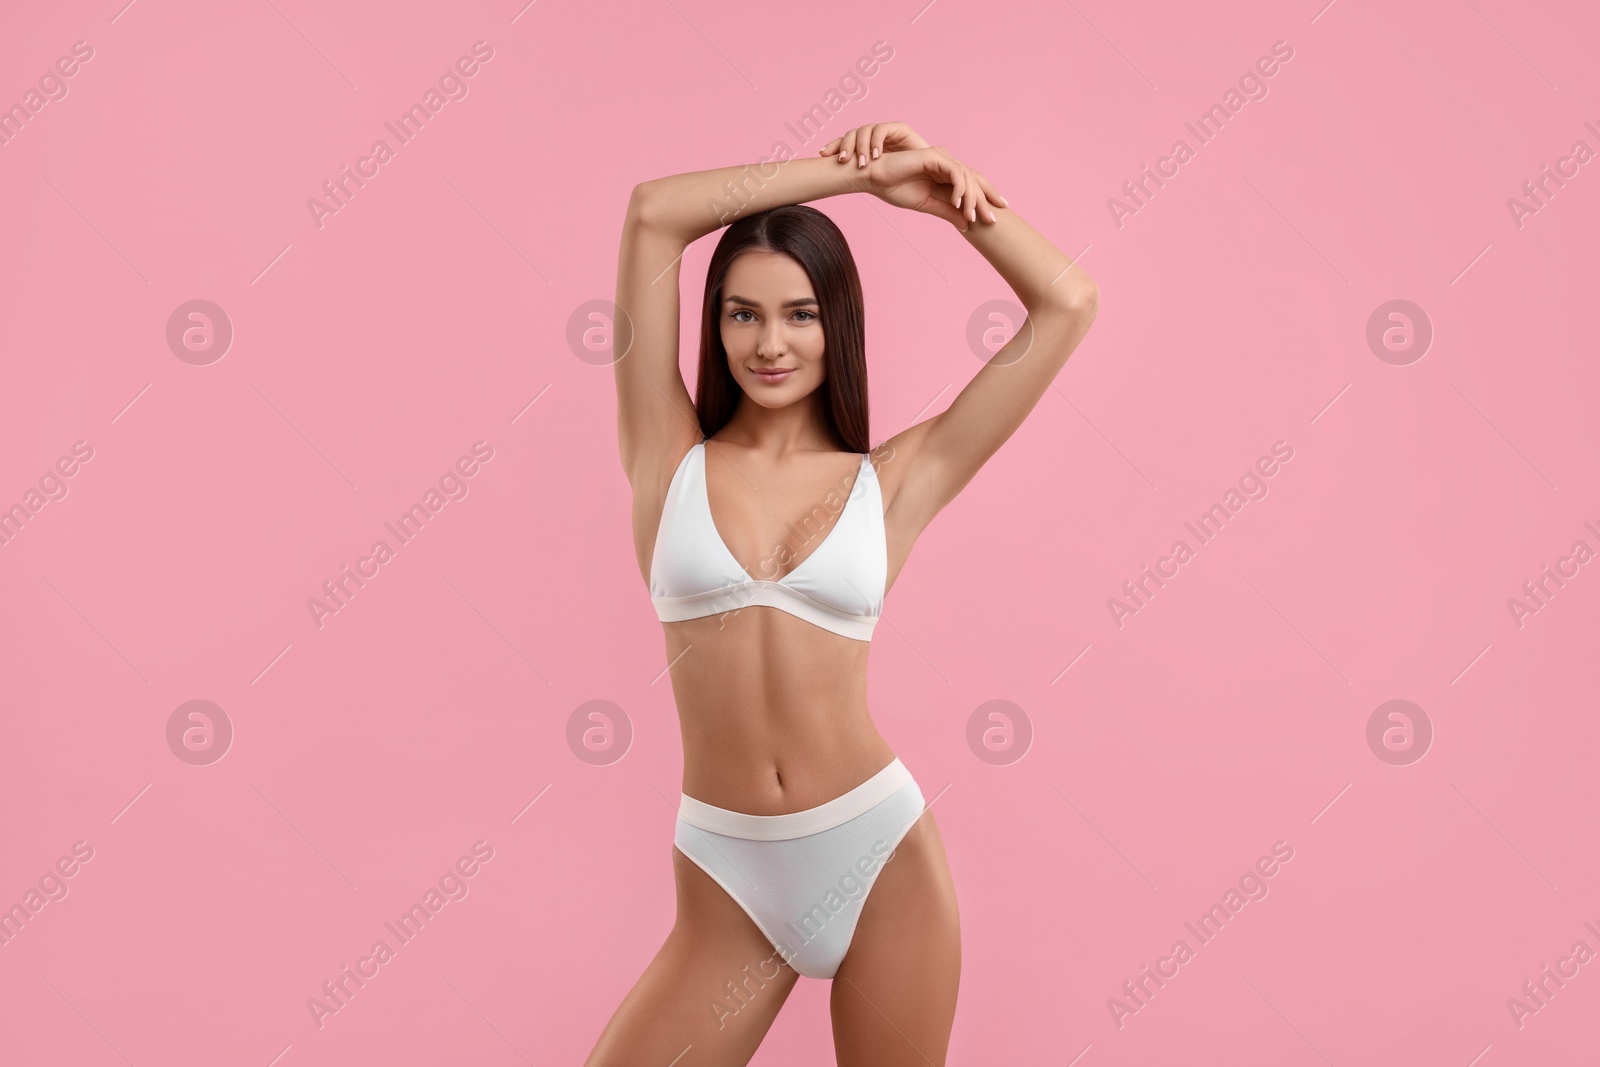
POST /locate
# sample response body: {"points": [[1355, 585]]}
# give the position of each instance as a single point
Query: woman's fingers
{"points": [[959, 194], [894, 136], [880, 133], [989, 191], [960, 185], [938, 204], [981, 210], [835, 147], [863, 145], [974, 195], [867, 142], [928, 179], [944, 173], [855, 146], [974, 204], [986, 207]]}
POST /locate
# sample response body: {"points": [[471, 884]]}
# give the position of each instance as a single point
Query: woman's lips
{"points": [[773, 377]]}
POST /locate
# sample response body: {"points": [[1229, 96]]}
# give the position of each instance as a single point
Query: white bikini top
{"points": [[839, 586]]}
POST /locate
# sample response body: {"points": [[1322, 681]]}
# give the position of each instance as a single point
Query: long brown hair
{"points": [[810, 238]]}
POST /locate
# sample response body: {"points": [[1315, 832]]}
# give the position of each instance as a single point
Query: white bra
{"points": [[839, 586]]}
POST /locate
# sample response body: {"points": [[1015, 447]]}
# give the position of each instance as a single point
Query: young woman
{"points": [[768, 532]]}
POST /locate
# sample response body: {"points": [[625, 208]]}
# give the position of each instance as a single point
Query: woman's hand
{"points": [[874, 139], [933, 181], [950, 191]]}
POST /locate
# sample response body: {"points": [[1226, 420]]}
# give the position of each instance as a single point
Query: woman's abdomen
{"points": [[773, 711]]}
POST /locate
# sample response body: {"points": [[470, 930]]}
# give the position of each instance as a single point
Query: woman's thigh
{"points": [[709, 995], [894, 997]]}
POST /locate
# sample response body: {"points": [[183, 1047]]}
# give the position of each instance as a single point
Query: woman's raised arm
{"points": [[689, 206], [942, 453], [654, 412]]}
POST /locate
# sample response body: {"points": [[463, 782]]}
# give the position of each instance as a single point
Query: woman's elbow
{"points": [[1088, 299], [641, 202], [1082, 297]]}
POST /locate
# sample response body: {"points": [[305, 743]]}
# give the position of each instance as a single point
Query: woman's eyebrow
{"points": [[799, 301]]}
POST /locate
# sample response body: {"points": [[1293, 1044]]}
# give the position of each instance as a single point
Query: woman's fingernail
{"points": [[876, 152]]}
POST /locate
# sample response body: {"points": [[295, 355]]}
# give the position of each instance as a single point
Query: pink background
{"points": [[434, 308]]}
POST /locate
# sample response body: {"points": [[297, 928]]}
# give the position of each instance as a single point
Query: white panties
{"points": [[803, 877]]}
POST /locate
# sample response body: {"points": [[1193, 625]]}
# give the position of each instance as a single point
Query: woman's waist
{"points": [[761, 770], [893, 783]]}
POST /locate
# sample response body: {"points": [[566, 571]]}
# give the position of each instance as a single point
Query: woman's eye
{"points": [[734, 315]]}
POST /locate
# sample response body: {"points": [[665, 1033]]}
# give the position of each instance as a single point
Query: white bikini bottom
{"points": [[804, 876]]}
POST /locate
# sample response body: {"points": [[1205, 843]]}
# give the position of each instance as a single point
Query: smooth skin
{"points": [[773, 710]]}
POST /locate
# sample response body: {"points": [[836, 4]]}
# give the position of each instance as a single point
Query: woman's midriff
{"points": [[773, 711]]}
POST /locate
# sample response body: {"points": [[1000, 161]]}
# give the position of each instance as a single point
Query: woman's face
{"points": [[771, 323]]}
